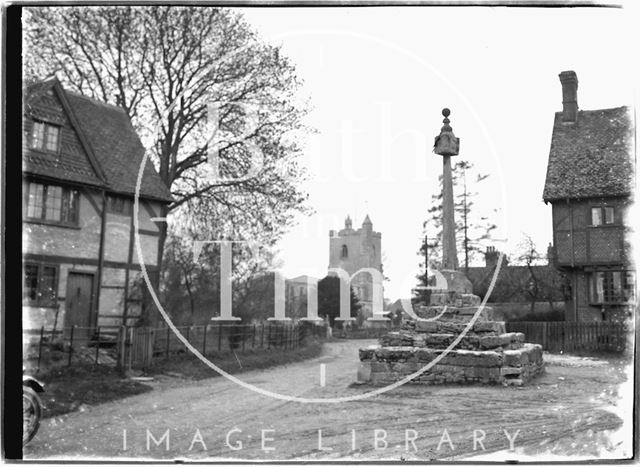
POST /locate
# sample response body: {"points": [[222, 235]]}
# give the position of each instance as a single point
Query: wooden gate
{"points": [[137, 347]]}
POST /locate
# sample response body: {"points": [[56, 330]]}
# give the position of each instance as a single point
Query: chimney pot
{"points": [[569, 81]]}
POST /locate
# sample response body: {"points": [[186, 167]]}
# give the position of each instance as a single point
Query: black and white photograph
{"points": [[321, 232]]}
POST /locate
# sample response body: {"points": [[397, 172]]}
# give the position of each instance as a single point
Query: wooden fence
{"points": [[137, 347], [144, 345], [563, 336]]}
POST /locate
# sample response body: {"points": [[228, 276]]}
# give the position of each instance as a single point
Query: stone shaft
{"points": [[449, 254]]}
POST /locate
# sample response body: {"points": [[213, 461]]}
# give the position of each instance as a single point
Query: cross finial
{"points": [[446, 127], [446, 143]]}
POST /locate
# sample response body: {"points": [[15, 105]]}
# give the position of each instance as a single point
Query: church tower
{"points": [[353, 250]]}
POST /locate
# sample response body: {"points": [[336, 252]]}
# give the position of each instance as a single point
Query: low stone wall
{"points": [[511, 366]]}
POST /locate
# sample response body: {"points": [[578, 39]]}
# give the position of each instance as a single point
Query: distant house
{"points": [[81, 159], [296, 295], [589, 183], [522, 284]]}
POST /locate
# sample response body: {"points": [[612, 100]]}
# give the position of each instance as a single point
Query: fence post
{"points": [[40, 347], [219, 337], [253, 338], [188, 332], [204, 340], [166, 355], [130, 347], [98, 346], [71, 344], [151, 344], [269, 337], [262, 336], [121, 348]]}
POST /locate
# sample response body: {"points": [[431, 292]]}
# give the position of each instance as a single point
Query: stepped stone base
{"points": [[385, 365], [486, 354]]}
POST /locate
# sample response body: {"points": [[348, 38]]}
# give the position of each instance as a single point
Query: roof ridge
{"points": [[626, 107], [605, 110]]}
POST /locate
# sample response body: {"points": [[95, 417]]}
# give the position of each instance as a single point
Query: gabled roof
{"points": [[113, 147], [301, 279], [592, 157], [72, 164]]}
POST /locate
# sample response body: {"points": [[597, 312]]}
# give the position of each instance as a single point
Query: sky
{"points": [[378, 78]]}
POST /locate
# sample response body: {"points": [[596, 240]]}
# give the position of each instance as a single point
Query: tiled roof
{"points": [[117, 147], [71, 162], [592, 157], [112, 141]]}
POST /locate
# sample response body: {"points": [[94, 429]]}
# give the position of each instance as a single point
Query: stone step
{"points": [[453, 313], [513, 358], [471, 341], [388, 364], [438, 327]]}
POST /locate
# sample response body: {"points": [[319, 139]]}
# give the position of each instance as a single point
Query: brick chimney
{"points": [[569, 81]]}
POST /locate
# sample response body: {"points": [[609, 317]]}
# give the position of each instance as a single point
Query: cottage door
{"points": [[79, 303]]}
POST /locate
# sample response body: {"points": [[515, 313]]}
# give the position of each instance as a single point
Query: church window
{"points": [[345, 252]]}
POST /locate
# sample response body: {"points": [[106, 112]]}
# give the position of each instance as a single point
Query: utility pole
{"points": [[464, 213], [426, 259]]}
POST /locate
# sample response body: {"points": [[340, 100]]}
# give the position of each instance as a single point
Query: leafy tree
{"points": [[329, 299], [190, 289], [164, 66]]}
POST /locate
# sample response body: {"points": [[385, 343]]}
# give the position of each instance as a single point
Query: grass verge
{"points": [[70, 389], [189, 366]]}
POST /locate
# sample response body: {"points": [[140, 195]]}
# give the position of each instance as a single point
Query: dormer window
{"points": [[45, 137]]}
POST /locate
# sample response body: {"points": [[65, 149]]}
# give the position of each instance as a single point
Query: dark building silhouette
{"points": [[589, 184]]}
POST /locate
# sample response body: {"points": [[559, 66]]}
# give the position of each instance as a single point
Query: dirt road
{"points": [[567, 411]]}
